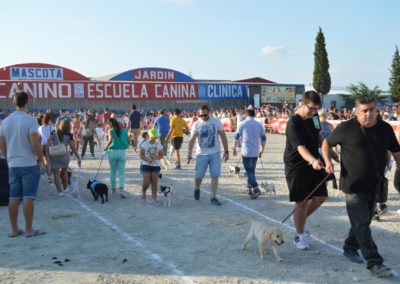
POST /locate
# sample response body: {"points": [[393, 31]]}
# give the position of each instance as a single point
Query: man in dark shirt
{"points": [[303, 169], [358, 177], [134, 126]]}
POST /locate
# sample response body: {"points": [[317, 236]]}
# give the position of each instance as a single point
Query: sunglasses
{"points": [[203, 115]]}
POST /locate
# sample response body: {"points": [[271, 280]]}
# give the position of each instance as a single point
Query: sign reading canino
{"points": [[34, 73]]}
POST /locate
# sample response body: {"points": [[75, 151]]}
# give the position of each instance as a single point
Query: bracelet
{"points": [[226, 152]]}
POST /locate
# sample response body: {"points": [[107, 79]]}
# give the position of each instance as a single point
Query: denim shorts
{"points": [[24, 182], [212, 160], [146, 169]]}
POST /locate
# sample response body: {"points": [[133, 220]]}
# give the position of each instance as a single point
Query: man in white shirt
{"points": [[252, 133], [208, 130], [19, 141]]}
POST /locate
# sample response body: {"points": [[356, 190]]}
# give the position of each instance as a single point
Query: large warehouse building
{"points": [[53, 86]]}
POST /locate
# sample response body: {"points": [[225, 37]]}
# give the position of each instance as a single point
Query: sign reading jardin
{"points": [[32, 73]]}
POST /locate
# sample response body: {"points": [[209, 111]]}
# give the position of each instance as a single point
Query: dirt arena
{"points": [[127, 241]]}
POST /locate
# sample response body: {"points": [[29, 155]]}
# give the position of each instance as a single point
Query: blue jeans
{"points": [[360, 207], [249, 164], [117, 160], [24, 182]]}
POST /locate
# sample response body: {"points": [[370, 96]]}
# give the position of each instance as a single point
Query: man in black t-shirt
{"points": [[303, 169], [134, 126], [358, 177]]}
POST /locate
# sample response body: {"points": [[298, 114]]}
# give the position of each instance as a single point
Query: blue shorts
{"points": [[202, 163], [24, 182], [145, 169]]}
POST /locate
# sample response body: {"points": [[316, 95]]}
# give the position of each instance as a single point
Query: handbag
{"points": [[382, 185], [57, 150]]}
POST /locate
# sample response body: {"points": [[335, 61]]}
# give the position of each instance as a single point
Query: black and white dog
{"points": [[234, 170], [168, 195], [98, 189]]}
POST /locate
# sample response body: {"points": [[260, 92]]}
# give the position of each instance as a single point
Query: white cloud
{"points": [[273, 50], [181, 2]]}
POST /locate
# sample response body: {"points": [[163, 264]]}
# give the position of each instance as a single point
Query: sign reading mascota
{"points": [[39, 71], [222, 91]]}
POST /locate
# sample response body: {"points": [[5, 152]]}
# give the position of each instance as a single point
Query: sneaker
{"points": [[178, 167], [50, 181], [155, 202], [381, 271], [61, 194], [353, 256], [301, 242], [215, 201], [383, 209], [93, 158], [197, 194], [143, 198], [376, 217], [307, 228], [113, 191], [123, 195], [256, 193]]}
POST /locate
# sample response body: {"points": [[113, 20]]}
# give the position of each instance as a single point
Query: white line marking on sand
{"points": [[136, 243]]}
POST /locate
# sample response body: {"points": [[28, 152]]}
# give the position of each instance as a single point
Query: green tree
{"points": [[362, 89], [321, 77], [394, 81]]}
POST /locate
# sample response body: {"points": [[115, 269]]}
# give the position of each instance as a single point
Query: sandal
{"points": [[35, 233], [20, 232]]}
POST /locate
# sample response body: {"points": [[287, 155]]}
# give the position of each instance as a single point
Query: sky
{"points": [[211, 39]]}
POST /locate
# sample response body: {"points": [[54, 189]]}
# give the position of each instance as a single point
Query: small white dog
{"points": [[168, 194], [269, 188], [264, 235], [234, 170]]}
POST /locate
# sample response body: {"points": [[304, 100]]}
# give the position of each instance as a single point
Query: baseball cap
{"points": [[153, 133]]}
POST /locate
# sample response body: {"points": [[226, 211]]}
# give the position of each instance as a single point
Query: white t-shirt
{"points": [[16, 130], [99, 132], [151, 150], [44, 131], [208, 137]]}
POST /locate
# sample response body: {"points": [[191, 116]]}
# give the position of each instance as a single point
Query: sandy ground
{"points": [[127, 241]]}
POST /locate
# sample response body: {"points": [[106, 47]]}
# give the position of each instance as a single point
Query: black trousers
{"points": [[396, 181], [360, 207], [89, 139]]}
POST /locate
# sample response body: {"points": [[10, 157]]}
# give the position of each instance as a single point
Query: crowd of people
{"points": [[44, 143]]}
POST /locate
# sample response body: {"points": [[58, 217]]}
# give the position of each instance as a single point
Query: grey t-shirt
{"points": [[16, 130], [208, 136]]}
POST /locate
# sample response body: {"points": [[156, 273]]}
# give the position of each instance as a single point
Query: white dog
{"points": [[264, 235], [168, 194], [269, 188], [234, 170]]}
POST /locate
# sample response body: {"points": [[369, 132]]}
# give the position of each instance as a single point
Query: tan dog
{"points": [[263, 234]]}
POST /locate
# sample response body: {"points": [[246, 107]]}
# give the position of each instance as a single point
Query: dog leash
{"points": [[101, 161], [306, 199]]}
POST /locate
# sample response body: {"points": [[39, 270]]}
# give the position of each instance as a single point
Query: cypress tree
{"points": [[321, 78], [394, 81]]}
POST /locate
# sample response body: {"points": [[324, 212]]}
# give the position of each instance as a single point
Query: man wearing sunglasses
{"points": [[303, 168], [208, 130]]}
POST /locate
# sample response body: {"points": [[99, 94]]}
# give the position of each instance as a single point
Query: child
{"points": [[151, 151], [100, 134]]}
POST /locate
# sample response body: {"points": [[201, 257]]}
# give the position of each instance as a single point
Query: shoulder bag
{"points": [[381, 188], [59, 149]]}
